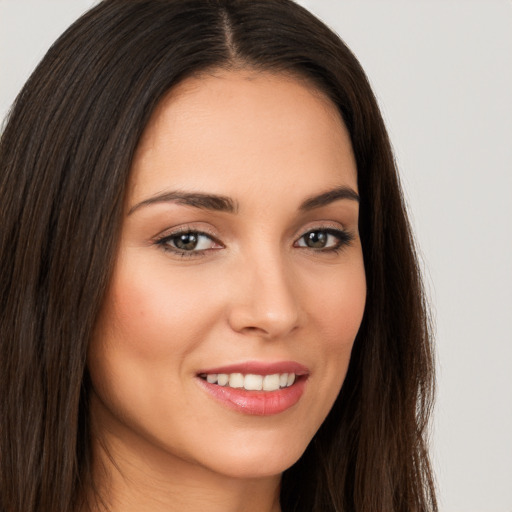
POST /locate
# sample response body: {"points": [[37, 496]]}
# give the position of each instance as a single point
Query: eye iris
{"points": [[186, 241], [316, 239]]}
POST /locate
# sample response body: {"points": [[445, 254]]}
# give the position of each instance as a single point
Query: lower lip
{"points": [[258, 403]]}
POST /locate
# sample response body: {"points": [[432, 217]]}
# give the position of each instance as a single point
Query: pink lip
{"points": [[259, 368], [260, 403]]}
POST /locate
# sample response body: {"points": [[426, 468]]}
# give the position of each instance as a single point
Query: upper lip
{"points": [[259, 368]]}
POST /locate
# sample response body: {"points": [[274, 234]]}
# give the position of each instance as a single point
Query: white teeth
{"points": [[236, 380], [222, 379], [252, 382], [271, 382]]}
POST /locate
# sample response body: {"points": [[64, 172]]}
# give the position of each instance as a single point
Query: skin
{"points": [[254, 292]]}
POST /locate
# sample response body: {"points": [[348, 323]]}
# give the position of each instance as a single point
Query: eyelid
{"points": [[335, 229], [186, 228], [161, 240], [344, 236], [321, 226]]}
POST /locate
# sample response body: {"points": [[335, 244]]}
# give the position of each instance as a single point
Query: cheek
{"points": [[344, 319], [147, 327], [335, 312], [339, 305], [152, 315]]}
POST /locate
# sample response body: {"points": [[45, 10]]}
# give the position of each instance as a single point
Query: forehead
{"points": [[232, 129]]}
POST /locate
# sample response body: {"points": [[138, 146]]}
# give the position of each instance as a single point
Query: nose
{"points": [[264, 302]]}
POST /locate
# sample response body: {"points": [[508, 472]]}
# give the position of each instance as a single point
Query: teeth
{"points": [[222, 379], [271, 382], [236, 380], [252, 382]]}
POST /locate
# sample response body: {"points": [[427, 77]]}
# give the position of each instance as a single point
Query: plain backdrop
{"points": [[442, 72]]}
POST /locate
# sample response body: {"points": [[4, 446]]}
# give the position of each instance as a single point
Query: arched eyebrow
{"points": [[329, 197], [226, 204], [195, 199]]}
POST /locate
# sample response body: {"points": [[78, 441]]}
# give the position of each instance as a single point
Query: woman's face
{"points": [[239, 284]]}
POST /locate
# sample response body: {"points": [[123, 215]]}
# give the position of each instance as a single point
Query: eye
{"points": [[324, 239], [188, 242]]}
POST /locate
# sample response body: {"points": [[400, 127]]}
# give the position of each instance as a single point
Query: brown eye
{"points": [[186, 241], [324, 239], [191, 243], [316, 239]]}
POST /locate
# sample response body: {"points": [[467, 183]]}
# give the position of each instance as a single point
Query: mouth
{"points": [[256, 388], [251, 381]]}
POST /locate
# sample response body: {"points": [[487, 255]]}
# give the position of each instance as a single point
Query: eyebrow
{"points": [[226, 204], [194, 199], [329, 197]]}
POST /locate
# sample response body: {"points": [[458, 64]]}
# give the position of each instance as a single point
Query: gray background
{"points": [[442, 72]]}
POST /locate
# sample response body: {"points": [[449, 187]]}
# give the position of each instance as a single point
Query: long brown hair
{"points": [[65, 157]]}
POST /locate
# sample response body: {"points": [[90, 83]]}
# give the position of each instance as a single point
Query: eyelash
{"points": [[164, 242], [344, 239]]}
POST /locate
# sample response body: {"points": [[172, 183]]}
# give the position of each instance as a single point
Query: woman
{"points": [[210, 297]]}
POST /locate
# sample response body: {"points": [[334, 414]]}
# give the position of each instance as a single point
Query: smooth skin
{"points": [[265, 274]]}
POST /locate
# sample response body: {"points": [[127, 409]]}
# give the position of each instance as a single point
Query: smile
{"points": [[256, 388], [251, 382]]}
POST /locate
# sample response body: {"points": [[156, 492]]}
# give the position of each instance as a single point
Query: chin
{"points": [[255, 460], [257, 467]]}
